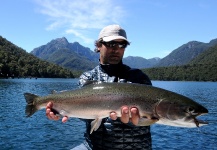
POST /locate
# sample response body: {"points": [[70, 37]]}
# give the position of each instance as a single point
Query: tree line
{"points": [[15, 62], [194, 72]]}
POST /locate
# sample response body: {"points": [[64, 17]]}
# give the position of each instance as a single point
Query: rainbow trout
{"points": [[96, 101]]}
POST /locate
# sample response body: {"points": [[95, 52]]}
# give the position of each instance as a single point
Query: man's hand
{"points": [[50, 114], [125, 115]]}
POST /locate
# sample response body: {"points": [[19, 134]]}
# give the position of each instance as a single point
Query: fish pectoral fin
{"points": [[144, 121], [95, 124]]}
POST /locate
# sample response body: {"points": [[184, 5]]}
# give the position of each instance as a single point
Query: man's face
{"points": [[111, 55]]}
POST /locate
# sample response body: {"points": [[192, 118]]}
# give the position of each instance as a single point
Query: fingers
{"points": [[134, 116], [125, 118], [125, 115], [113, 115], [50, 115], [64, 119]]}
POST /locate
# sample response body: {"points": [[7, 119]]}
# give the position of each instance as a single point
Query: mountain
{"points": [[185, 53], [69, 55], [201, 68], [16, 62], [207, 57], [76, 56], [140, 62]]}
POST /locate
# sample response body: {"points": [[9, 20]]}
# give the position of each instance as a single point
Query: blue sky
{"points": [[154, 27]]}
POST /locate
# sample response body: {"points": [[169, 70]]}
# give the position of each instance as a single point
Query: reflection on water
{"points": [[37, 132]]}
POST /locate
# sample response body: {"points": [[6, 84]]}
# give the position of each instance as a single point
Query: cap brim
{"points": [[111, 38]]}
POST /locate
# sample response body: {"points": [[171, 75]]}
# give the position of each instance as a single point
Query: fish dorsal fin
{"points": [[57, 92], [95, 124]]}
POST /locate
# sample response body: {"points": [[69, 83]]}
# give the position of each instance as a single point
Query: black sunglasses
{"points": [[112, 44]]}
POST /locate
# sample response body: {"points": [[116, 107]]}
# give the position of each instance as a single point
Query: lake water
{"points": [[37, 132]]}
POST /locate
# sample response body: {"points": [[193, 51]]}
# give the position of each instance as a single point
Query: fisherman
{"points": [[113, 133]]}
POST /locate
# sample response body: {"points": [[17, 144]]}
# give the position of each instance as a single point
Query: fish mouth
{"points": [[193, 113], [198, 122]]}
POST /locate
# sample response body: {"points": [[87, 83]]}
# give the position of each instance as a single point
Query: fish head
{"points": [[180, 112]]}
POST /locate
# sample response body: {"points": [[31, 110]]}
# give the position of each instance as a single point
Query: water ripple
{"points": [[37, 132]]}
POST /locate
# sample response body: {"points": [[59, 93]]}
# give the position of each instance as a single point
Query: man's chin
{"points": [[113, 61]]}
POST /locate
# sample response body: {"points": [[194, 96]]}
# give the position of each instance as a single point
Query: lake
{"points": [[37, 132]]}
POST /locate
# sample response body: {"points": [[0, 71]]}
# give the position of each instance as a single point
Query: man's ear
{"points": [[99, 47]]}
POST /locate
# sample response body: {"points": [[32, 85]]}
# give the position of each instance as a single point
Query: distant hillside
{"points": [[69, 55], [201, 68], [185, 53], [140, 62], [207, 57], [16, 62], [76, 56]]}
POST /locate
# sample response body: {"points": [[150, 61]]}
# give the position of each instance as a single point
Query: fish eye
{"points": [[191, 110]]}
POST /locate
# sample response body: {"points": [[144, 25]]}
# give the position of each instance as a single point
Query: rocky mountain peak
{"points": [[61, 42]]}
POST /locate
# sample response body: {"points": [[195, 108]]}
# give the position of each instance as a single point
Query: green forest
{"points": [[196, 72], [202, 68], [16, 62]]}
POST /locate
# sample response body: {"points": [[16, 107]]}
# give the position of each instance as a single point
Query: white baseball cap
{"points": [[112, 32]]}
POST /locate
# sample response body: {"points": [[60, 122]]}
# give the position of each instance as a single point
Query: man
{"points": [[114, 133]]}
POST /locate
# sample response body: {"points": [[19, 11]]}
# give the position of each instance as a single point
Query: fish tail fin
{"points": [[30, 107]]}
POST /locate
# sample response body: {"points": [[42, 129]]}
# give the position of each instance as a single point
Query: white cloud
{"points": [[80, 35], [78, 16]]}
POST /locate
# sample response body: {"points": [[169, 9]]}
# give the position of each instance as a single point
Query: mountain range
{"points": [[69, 55], [77, 57], [140, 62], [185, 53], [16, 62]]}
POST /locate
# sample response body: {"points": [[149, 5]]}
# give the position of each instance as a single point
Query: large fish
{"points": [[96, 101]]}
